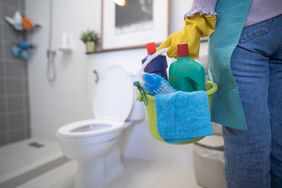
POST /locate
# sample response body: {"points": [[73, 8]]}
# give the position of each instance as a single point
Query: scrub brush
{"points": [[156, 84], [141, 91]]}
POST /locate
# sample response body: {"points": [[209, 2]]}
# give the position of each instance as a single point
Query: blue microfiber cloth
{"points": [[183, 116]]}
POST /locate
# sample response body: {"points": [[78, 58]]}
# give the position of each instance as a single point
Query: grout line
{"points": [[14, 96], [12, 60], [8, 6], [15, 113], [13, 78], [18, 129], [25, 107]]}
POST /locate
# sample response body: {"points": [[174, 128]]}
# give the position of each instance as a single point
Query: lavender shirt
{"points": [[262, 10]]}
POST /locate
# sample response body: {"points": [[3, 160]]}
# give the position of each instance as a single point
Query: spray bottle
{"points": [[185, 74], [158, 65]]}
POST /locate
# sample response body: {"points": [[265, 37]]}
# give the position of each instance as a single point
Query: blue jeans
{"points": [[254, 156]]}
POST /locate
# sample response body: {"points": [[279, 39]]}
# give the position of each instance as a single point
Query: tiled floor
{"points": [[19, 158], [138, 174]]}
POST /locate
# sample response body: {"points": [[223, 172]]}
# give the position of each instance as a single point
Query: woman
{"points": [[245, 58]]}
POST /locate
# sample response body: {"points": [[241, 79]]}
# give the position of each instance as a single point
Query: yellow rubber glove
{"points": [[195, 27]]}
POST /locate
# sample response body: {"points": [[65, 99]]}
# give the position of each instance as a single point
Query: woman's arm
{"points": [[202, 7], [199, 22]]}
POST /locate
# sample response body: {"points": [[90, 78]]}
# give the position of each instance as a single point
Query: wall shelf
{"points": [[66, 49], [17, 49]]}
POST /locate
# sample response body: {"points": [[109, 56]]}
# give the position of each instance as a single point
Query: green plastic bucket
{"points": [[152, 114]]}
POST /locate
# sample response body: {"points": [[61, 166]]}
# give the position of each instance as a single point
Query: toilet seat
{"points": [[93, 127], [112, 103]]}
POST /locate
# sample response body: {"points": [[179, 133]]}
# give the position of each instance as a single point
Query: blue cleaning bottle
{"points": [[158, 65], [156, 84]]}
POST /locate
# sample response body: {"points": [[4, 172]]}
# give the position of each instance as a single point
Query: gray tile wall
{"points": [[14, 98]]}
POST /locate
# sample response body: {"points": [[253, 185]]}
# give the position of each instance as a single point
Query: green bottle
{"points": [[185, 74]]}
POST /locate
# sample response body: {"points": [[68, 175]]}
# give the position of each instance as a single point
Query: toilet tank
{"points": [[96, 77]]}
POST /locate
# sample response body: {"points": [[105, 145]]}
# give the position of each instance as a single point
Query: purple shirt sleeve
{"points": [[202, 7]]}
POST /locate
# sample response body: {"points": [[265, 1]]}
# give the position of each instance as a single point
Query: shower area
{"points": [[23, 155], [14, 101]]}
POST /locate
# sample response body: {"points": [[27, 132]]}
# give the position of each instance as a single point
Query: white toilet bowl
{"points": [[85, 140], [94, 143], [89, 142]]}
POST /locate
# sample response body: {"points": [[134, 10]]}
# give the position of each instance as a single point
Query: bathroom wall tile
{"points": [[14, 87], [26, 121], [26, 106], [1, 31], [28, 132], [25, 87], [15, 69], [12, 3], [8, 55], [2, 105], [15, 104], [1, 14], [17, 121], [1, 46], [25, 69], [3, 124], [18, 135], [3, 139], [2, 87], [8, 9], [10, 35], [21, 5], [1, 69]]}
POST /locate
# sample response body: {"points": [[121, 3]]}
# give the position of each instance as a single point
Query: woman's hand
{"points": [[195, 27]]}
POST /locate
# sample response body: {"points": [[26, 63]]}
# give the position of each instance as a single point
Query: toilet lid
{"points": [[113, 94]]}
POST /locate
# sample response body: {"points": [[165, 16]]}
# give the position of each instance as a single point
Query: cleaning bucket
{"points": [[150, 106], [152, 114]]}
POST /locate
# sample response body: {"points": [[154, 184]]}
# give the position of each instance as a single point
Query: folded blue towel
{"points": [[183, 116]]}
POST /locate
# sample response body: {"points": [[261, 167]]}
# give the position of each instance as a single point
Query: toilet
{"points": [[95, 143]]}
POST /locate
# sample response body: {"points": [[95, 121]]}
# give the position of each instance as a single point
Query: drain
{"points": [[36, 145]]}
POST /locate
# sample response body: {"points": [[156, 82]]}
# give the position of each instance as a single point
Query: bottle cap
{"points": [[182, 50], [151, 48]]}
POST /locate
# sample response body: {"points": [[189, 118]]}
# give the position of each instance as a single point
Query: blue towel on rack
{"points": [[182, 116]]}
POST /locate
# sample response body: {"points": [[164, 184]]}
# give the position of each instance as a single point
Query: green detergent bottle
{"points": [[185, 74]]}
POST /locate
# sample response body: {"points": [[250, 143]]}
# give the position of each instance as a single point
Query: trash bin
{"points": [[208, 158]]}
